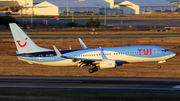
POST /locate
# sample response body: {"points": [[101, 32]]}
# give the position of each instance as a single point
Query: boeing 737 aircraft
{"points": [[102, 58]]}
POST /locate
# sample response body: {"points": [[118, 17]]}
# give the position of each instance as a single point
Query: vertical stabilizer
{"points": [[23, 43]]}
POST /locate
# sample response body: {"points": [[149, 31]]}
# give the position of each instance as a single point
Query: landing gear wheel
{"points": [[159, 66], [95, 69], [91, 70]]}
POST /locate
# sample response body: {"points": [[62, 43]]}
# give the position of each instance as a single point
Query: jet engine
{"points": [[104, 64]]}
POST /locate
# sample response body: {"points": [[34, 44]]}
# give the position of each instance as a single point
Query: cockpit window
{"points": [[164, 50]]}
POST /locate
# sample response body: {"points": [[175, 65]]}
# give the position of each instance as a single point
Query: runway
{"points": [[90, 84], [94, 36]]}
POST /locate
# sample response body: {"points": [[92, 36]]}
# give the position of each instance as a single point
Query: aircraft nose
{"points": [[172, 54]]}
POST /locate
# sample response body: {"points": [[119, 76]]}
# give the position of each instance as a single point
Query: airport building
{"points": [[134, 6], [60, 8], [112, 3], [146, 6], [104, 3], [55, 7]]}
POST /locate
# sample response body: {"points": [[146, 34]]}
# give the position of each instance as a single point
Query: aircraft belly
{"points": [[67, 62]]}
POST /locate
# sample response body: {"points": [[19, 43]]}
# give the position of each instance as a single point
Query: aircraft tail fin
{"points": [[23, 43]]}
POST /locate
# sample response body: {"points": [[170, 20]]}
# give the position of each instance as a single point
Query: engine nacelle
{"points": [[108, 64]]}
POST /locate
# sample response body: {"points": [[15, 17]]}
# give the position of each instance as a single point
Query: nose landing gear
{"points": [[158, 66]]}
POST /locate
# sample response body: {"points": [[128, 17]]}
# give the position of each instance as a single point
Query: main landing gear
{"points": [[91, 70]]}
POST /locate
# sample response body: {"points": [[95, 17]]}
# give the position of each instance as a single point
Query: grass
{"points": [[100, 33], [163, 16], [84, 96], [10, 65]]}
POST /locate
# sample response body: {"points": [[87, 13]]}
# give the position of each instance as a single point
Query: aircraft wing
{"points": [[37, 7], [60, 55], [84, 59], [3, 8], [79, 61]]}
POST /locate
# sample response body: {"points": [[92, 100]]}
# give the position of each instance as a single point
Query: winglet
{"points": [[57, 51], [82, 44]]}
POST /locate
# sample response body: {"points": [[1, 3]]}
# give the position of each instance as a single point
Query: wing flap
{"points": [[84, 59]]}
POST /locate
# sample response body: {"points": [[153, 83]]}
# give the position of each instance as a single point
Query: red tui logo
{"points": [[20, 44], [145, 51]]}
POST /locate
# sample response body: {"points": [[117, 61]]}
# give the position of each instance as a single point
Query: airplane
{"points": [[14, 6], [103, 58], [9, 6]]}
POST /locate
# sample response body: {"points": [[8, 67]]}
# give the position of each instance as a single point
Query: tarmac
{"points": [[90, 84]]}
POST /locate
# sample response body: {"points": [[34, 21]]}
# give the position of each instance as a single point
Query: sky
{"points": [[38, 1]]}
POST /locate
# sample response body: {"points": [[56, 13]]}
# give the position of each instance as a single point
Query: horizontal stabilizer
{"points": [[82, 44], [57, 51]]}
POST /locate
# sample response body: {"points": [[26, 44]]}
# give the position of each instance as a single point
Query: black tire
{"points": [[159, 66], [91, 70], [95, 69]]}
